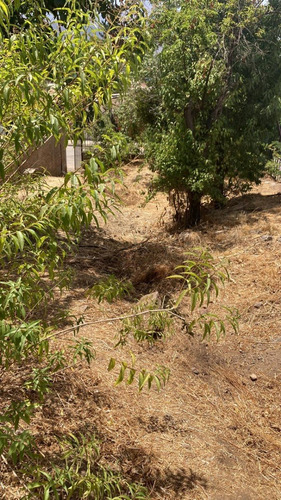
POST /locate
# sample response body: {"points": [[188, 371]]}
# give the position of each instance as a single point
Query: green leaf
{"points": [[121, 374], [20, 239], [194, 298], [180, 298], [143, 379], [131, 376], [2, 170], [46, 493], [111, 364], [133, 357], [4, 8]]}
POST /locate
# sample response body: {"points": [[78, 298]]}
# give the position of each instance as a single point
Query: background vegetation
{"points": [[209, 98]]}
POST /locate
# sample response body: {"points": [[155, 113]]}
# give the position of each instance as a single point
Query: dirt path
{"points": [[213, 432]]}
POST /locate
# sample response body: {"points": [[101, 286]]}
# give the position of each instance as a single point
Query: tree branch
{"points": [[116, 318]]}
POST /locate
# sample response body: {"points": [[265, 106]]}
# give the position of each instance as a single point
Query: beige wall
{"points": [[51, 156]]}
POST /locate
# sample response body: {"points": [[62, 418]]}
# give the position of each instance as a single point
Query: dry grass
{"points": [[212, 433]]}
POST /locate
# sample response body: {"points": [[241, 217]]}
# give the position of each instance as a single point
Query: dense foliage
{"points": [[49, 79], [108, 9]]}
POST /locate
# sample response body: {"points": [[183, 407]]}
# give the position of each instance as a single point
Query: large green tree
{"points": [[215, 72]]}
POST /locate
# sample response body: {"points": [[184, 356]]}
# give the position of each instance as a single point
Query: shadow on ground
{"points": [[252, 204], [137, 465], [146, 264], [90, 420]]}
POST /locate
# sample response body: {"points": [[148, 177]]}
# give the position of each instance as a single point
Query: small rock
{"points": [[150, 300], [253, 377], [267, 237], [279, 239], [258, 305], [195, 371], [189, 237]]}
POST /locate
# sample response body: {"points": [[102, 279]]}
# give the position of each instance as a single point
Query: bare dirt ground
{"points": [[212, 432]]}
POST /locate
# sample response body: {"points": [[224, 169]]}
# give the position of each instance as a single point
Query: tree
{"points": [[109, 10], [215, 70], [48, 79], [55, 77]]}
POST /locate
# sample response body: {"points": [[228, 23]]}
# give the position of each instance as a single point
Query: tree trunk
{"points": [[220, 198], [193, 211], [219, 202], [279, 130]]}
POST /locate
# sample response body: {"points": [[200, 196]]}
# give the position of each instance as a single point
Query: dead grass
{"points": [[212, 433]]}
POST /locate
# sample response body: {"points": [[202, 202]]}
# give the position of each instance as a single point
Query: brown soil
{"points": [[212, 432]]}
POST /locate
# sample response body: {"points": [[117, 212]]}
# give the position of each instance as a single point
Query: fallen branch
{"points": [[116, 318]]}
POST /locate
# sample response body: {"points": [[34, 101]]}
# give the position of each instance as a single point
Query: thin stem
{"points": [[116, 318]]}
